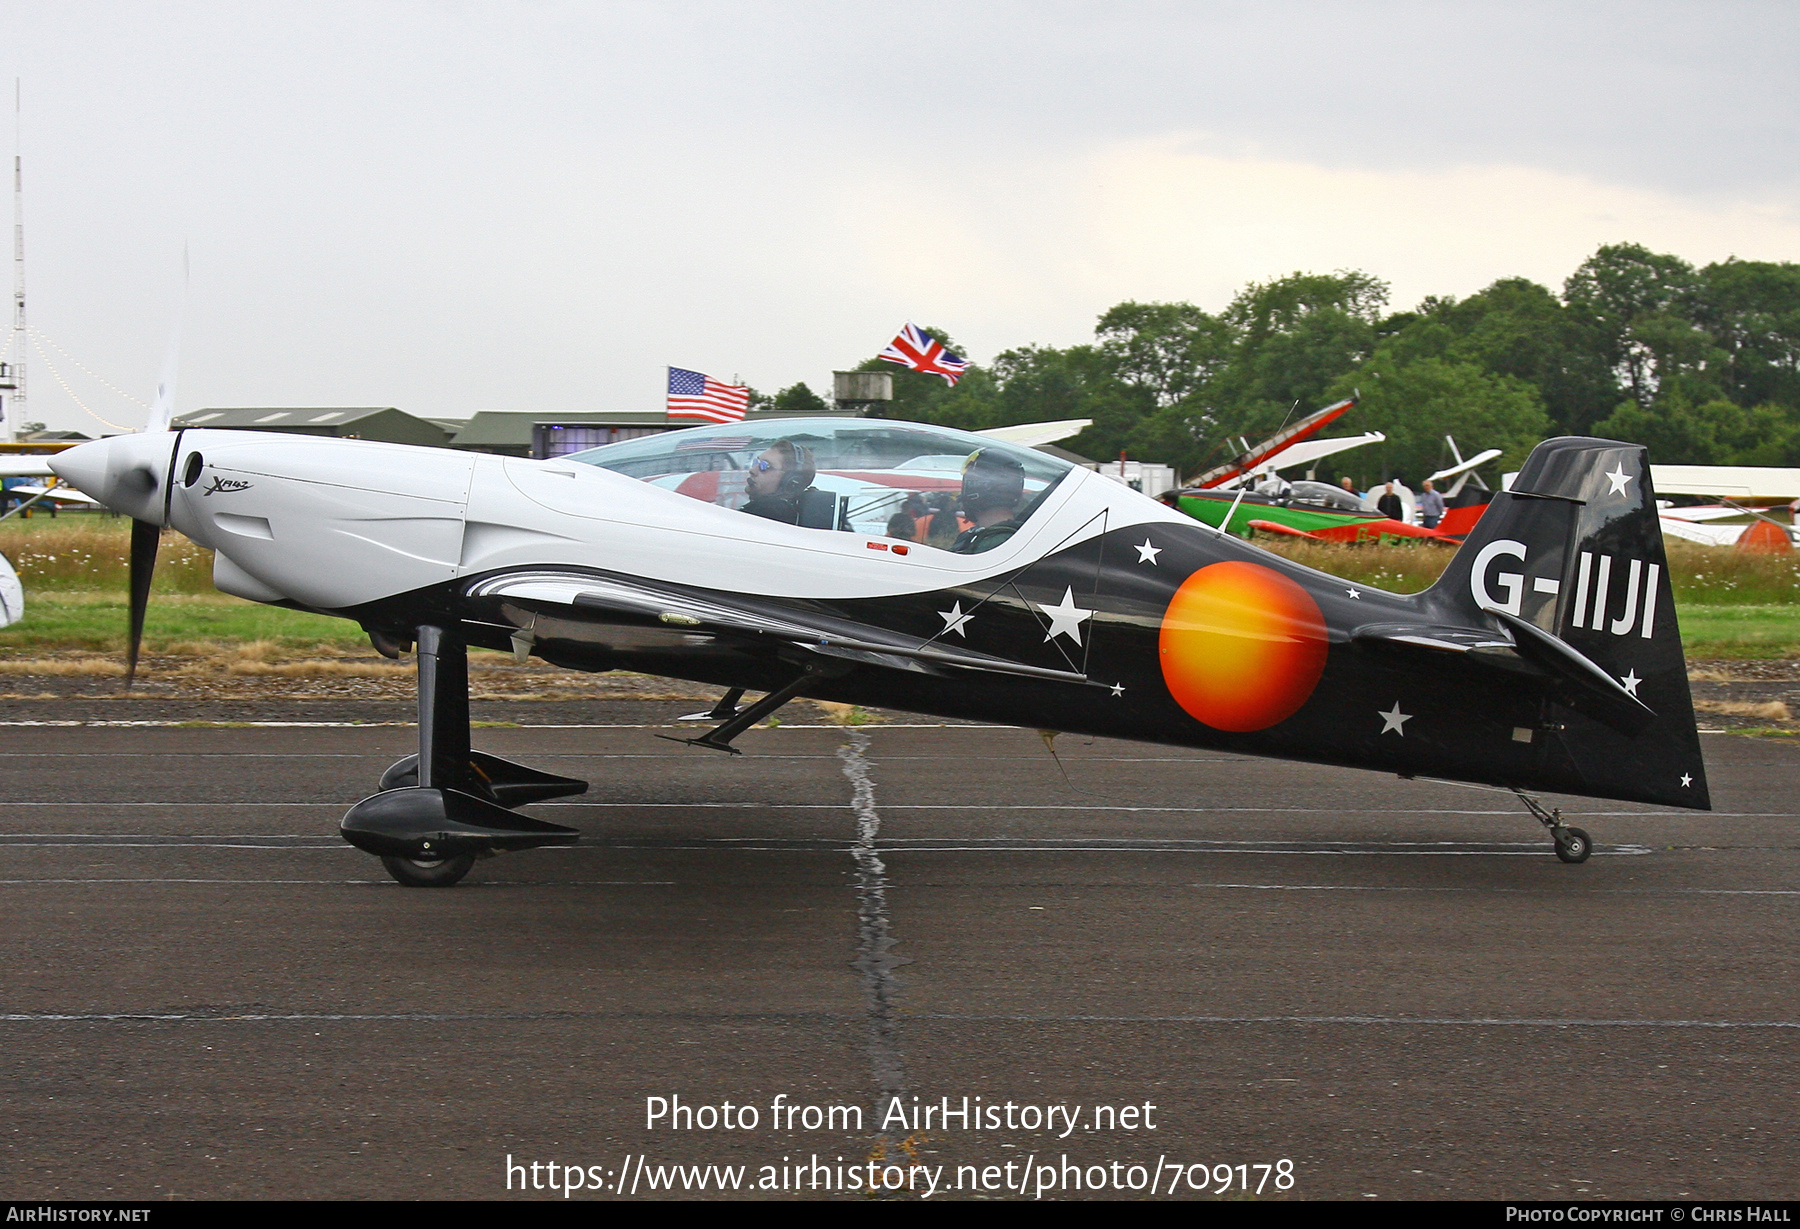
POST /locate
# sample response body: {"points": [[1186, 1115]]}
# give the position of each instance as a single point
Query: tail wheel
{"points": [[436, 873], [1573, 845]]}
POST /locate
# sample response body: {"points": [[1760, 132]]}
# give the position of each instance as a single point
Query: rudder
{"points": [[1575, 549]]}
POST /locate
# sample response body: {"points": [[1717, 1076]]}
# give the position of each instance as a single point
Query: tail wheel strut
{"points": [[1573, 845]]}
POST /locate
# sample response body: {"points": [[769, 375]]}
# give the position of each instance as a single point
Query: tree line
{"points": [[1700, 364]]}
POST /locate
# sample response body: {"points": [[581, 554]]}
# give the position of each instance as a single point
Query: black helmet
{"points": [[991, 480]]}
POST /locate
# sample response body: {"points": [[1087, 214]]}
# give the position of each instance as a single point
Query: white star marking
{"points": [[1631, 680], [1686, 780], [1066, 618], [1618, 477], [1118, 689], [1394, 720], [955, 620], [1148, 553], [1353, 593]]}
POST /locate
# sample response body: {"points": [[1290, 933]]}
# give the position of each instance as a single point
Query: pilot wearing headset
{"points": [[993, 487], [777, 479]]}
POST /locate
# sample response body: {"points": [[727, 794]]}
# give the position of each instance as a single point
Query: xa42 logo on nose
{"points": [[227, 485]]}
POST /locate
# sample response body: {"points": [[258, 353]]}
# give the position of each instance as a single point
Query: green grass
{"points": [[73, 620], [86, 551], [1739, 631]]}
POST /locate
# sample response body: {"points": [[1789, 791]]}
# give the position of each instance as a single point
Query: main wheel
{"points": [[438, 873], [1573, 845]]}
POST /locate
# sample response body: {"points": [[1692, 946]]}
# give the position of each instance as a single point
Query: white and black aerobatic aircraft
{"points": [[912, 567]]}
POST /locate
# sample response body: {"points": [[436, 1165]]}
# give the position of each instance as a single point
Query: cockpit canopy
{"points": [[932, 485]]}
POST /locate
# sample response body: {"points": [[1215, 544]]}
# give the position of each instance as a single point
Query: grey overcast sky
{"points": [[457, 206]]}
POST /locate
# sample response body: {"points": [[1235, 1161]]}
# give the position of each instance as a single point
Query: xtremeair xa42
{"points": [[912, 567]]}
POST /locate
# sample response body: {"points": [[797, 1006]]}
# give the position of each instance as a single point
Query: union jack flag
{"points": [[693, 394], [918, 350]]}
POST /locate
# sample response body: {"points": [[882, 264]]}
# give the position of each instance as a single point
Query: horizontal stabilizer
{"points": [[1586, 687], [1443, 639], [1576, 682]]}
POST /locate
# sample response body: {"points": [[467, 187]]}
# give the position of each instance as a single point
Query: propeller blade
{"points": [[163, 408], [144, 535]]}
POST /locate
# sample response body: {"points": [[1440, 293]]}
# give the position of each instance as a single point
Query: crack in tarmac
{"points": [[875, 958]]}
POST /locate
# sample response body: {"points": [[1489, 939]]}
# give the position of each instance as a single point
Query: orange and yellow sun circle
{"points": [[1242, 646]]}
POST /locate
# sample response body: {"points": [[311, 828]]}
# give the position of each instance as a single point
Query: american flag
{"points": [[695, 395], [918, 350]]}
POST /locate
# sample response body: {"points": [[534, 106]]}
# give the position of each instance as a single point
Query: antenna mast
{"points": [[12, 378]]}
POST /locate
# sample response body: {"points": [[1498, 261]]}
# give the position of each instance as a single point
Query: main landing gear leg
{"points": [[1572, 844], [440, 810]]}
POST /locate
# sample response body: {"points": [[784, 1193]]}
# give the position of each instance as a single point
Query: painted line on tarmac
{"points": [[651, 883], [1119, 807], [891, 846], [1434, 812], [371, 883], [664, 883], [177, 1017], [1359, 887], [1372, 1021], [386, 882]]}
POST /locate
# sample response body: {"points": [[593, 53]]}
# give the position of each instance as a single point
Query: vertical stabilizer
{"points": [[1575, 550]]}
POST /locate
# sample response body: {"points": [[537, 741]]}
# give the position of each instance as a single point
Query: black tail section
{"points": [[1575, 550]]}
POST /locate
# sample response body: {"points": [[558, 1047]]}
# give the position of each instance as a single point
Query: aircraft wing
{"points": [[1706, 535], [61, 494], [12, 594], [1312, 450], [1745, 483], [1284, 439], [1705, 512], [26, 466], [1031, 434], [1480, 458], [630, 602]]}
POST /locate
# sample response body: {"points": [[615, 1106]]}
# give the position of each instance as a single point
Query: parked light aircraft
{"points": [[1307, 509], [56, 493], [12, 594], [755, 556]]}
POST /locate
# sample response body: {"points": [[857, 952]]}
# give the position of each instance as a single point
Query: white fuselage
{"points": [[333, 524]]}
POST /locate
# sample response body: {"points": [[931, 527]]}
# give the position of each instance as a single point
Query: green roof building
{"points": [[517, 433], [382, 423]]}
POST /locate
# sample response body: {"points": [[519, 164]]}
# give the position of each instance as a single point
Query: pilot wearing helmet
{"points": [[776, 481], [993, 487]]}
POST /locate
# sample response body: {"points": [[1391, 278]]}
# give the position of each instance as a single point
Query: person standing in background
{"points": [[1431, 506], [1389, 504]]}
